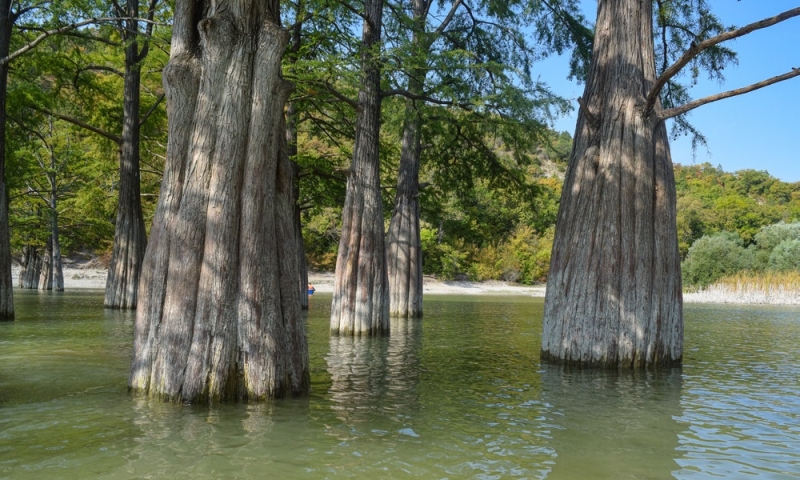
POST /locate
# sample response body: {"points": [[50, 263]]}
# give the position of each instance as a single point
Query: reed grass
{"points": [[773, 288]]}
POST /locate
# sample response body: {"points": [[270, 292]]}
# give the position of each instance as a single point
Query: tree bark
{"points": [[614, 289], [360, 291], [31, 268], [46, 269], [404, 247], [130, 237], [219, 316], [6, 283]]}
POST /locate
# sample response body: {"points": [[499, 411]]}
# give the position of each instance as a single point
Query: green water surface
{"points": [[460, 394]]}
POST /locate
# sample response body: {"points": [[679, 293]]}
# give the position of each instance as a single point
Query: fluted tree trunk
{"points": [[130, 237], [360, 291], [404, 246], [218, 316], [614, 287], [403, 243], [31, 268]]}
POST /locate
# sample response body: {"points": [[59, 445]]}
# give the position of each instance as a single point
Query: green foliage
{"points": [[785, 256], [769, 237], [776, 249], [713, 257], [711, 200]]}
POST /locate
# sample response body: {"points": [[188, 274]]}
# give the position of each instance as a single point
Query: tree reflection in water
{"points": [[601, 420], [376, 377]]}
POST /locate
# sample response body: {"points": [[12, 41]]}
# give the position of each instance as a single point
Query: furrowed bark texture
{"points": [[130, 237], [218, 317], [46, 272], [404, 247], [6, 283], [31, 268], [614, 288], [360, 291]]}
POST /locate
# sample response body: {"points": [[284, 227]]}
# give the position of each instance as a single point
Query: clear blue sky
{"points": [[758, 130]]}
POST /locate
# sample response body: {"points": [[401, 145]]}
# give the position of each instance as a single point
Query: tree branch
{"points": [[79, 123], [674, 112], [448, 18], [100, 68], [152, 109], [696, 48], [413, 96], [49, 33]]}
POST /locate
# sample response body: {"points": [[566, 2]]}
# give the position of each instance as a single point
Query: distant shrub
{"points": [[785, 256], [768, 238], [714, 256]]}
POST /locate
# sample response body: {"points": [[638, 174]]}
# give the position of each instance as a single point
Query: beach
{"points": [[95, 278]]}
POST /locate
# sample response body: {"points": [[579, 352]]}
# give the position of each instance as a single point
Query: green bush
{"points": [[785, 256], [714, 256], [769, 237]]}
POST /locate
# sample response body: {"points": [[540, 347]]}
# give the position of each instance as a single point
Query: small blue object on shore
{"points": [[311, 290]]}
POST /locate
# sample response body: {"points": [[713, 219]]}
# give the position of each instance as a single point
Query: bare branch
{"points": [[152, 109], [56, 31], [352, 9], [101, 68], [413, 96], [674, 112], [79, 123], [448, 18], [696, 48]]}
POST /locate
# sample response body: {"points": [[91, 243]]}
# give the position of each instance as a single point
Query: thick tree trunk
{"points": [[614, 288], [31, 268], [6, 283], [404, 247], [130, 237], [219, 315], [360, 291]]}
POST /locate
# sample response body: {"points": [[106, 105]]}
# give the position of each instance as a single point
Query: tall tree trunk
{"points": [[360, 291], [58, 266], [130, 237], [31, 268], [614, 288], [6, 283], [295, 43], [404, 247], [291, 140], [219, 316]]}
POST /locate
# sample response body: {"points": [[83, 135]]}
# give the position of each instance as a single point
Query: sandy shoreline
{"points": [[95, 278]]}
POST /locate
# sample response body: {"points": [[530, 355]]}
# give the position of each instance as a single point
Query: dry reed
{"points": [[773, 288]]}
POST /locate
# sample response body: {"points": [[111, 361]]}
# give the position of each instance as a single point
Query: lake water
{"points": [[460, 394]]}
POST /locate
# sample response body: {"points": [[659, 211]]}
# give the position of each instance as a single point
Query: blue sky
{"points": [[758, 130]]}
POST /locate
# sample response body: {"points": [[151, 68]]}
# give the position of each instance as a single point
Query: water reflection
{"points": [[612, 424], [373, 377]]}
